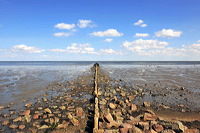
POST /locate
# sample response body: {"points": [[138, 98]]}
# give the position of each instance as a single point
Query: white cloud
{"points": [[141, 35], [144, 25], [110, 52], [85, 23], [81, 48], [26, 49], [57, 50], [198, 41], [168, 33], [141, 44], [108, 33], [108, 40], [65, 26], [62, 34], [140, 23]]}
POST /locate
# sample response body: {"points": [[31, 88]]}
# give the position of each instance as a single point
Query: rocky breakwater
{"points": [[118, 113], [66, 107]]}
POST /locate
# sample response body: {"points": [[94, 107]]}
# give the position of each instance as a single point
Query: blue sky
{"points": [[108, 30]]}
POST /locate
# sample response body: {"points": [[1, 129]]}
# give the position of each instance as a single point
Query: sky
{"points": [[99, 30]]}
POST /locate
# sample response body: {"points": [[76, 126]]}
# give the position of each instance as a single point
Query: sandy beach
{"points": [[67, 104]]}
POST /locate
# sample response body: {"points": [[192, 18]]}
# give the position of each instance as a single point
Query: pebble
{"points": [[27, 112], [17, 119], [47, 110], [112, 105], [13, 126], [5, 123], [21, 127], [146, 104], [28, 105]]}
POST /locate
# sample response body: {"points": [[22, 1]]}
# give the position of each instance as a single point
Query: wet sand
{"points": [[170, 97]]}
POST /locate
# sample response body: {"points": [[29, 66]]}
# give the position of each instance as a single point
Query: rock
{"points": [[123, 94], [33, 130], [133, 107], [109, 117], [17, 119], [12, 112], [146, 104], [144, 125], [47, 110], [13, 126], [44, 99], [191, 131], [62, 107], [112, 105], [28, 105], [5, 123], [2, 107], [181, 126], [149, 117], [27, 118], [74, 121], [139, 90], [136, 130], [158, 128], [43, 127], [123, 130], [39, 108], [131, 98], [79, 111], [36, 116], [27, 112], [102, 102], [126, 125], [63, 125], [68, 99], [152, 131], [168, 131], [21, 127]]}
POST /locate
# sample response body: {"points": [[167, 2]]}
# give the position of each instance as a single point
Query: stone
{"points": [[191, 131], [146, 104], [43, 127], [62, 107], [17, 119], [33, 130], [123, 130], [21, 127], [5, 123], [74, 121], [133, 107], [12, 112], [27, 112], [36, 116], [63, 125], [112, 105], [158, 128], [47, 110], [68, 99], [2, 107], [123, 94], [181, 126], [144, 125], [126, 125], [149, 117], [79, 111], [136, 130], [44, 99], [39, 108], [131, 98], [139, 90], [27, 118], [28, 105], [168, 131], [13, 126], [109, 117], [102, 102]]}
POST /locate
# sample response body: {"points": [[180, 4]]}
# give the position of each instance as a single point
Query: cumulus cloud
{"points": [[108, 33], [198, 41], [141, 35], [62, 34], [81, 48], [110, 52], [168, 33], [85, 23], [65, 26], [140, 23], [26, 49], [108, 40]]}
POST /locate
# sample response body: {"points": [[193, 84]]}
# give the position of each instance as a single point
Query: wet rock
{"points": [[12, 112], [62, 107], [54, 107], [74, 121], [21, 127], [158, 128], [5, 123], [43, 127], [33, 130], [39, 108], [168, 131], [181, 126], [109, 117], [136, 130], [191, 131], [79, 111], [133, 107], [27, 112], [17, 119], [103, 102], [63, 125], [139, 90], [27, 118], [13, 126], [149, 117], [2, 107], [123, 130], [131, 98], [146, 104], [44, 99], [123, 94], [47, 110], [144, 125], [112, 105], [28, 105], [36, 116]]}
